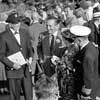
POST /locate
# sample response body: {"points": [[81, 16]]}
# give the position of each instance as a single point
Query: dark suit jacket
{"points": [[88, 59], [9, 46], [45, 54], [44, 46]]}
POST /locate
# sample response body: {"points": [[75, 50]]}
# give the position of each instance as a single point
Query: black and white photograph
{"points": [[49, 49]]}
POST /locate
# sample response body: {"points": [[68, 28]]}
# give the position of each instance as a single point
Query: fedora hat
{"points": [[13, 19]]}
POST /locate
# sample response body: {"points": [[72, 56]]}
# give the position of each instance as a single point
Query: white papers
{"points": [[17, 58]]}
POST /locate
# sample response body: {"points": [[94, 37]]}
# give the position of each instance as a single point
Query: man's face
{"points": [[16, 26], [58, 9], [52, 26], [78, 41], [68, 12]]}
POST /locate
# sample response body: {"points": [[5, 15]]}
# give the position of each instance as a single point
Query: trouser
{"points": [[27, 87], [15, 87]]}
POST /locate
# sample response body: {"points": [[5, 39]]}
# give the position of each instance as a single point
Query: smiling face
{"points": [[52, 26]]}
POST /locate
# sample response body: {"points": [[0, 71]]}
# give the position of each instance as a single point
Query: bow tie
{"points": [[16, 33]]}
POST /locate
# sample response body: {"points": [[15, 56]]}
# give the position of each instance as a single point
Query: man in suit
{"points": [[13, 40], [88, 63], [95, 31], [49, 45]]}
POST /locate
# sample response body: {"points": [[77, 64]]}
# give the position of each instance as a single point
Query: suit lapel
{"points": [[57, 41], [13, 37], [82, 52], [46, 46]]}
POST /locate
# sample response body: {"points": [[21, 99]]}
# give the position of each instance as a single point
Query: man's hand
{"points": [[16, 66], [29, 62]]}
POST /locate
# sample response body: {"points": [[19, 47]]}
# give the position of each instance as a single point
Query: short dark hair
{"points": [[57, 21]]}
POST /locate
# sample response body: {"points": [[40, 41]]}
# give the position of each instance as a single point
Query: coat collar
{"points": [[13, 37]]}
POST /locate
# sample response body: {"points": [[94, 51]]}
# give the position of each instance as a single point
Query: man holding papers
{"points": [[15, 53]]}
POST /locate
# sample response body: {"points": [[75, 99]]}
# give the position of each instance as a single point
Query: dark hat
{"points": [[13, 19]]}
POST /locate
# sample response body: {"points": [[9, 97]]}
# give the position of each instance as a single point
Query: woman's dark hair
{"points": [[68, 36]]}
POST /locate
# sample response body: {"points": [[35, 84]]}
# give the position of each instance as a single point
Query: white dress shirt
{"points": [[17, 36], [84, 45]]}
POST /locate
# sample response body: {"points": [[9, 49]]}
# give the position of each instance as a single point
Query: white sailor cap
{"points": [[79, 30], [96, 15]]}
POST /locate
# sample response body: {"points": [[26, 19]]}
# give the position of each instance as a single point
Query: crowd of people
{"points": [[57, 46]]}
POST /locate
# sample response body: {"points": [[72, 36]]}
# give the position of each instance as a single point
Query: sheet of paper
{"points": [[17, 58]]}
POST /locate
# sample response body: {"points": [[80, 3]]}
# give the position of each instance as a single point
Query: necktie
{"points": [[52, 45], [16, 33]]}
